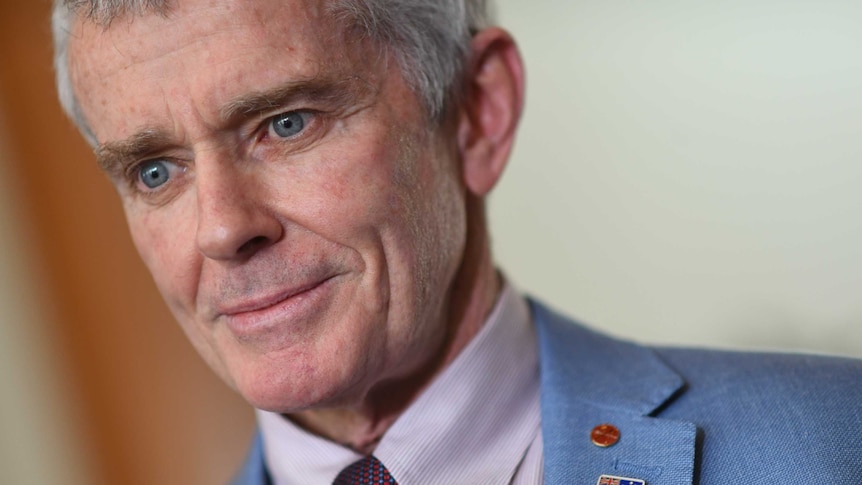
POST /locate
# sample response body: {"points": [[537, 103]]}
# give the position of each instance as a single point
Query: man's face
{"points": [[299, 215]]}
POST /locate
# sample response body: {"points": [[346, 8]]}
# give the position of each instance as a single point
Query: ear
{"points": [[490, 110]]}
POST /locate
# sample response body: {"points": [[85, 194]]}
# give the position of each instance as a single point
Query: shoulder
{"points": [[799, 377], [799, 413], [756, 415], [769, 374]]}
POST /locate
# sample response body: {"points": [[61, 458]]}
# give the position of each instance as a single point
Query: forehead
{"points": [[195, 24], [201, 53]]}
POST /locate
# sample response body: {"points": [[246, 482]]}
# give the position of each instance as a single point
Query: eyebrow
{"points": [[114, 157], [330, 91]]}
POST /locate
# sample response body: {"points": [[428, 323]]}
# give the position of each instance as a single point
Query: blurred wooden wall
{"points": [[150, 410]]}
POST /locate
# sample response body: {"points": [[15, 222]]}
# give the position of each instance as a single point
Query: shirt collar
{"points": [[473, 424]]}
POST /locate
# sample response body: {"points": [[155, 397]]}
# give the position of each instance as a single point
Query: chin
{"points": [[290, 384]]}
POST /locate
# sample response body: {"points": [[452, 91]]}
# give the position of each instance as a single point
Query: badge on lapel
{"points": [[611, 480]]}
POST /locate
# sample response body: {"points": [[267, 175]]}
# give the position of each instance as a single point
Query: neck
{"points": [[471, 298]]}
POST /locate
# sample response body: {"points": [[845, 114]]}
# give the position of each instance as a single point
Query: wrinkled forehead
{"points": [[106, 13], [213, 50], [193, 21]]}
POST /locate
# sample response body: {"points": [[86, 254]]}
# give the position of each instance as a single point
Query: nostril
{"points": [[253, 244], [232, 222]]}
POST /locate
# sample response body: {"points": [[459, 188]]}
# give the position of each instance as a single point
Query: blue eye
{"points": [[154, 173], [288, 124]]}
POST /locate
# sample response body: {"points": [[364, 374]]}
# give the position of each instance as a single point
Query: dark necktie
{"points": [[367, 471]]}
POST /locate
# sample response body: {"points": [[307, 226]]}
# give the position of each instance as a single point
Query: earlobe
{"points": [[490, 109]]}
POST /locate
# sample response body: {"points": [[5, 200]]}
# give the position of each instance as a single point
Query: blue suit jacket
{"points": [[686, 416]]}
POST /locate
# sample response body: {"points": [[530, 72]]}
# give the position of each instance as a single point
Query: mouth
{"points": [[289, 307]]}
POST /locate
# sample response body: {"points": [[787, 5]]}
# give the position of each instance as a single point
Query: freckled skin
{"points": [[370, 196]]}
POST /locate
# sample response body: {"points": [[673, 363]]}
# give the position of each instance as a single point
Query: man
{"points": [[305, 181]]}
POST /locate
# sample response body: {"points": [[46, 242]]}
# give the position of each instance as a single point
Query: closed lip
{"points": [[252, 305]]}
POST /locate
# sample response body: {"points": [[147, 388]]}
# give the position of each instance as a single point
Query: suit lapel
{"points": [[589, 379]]}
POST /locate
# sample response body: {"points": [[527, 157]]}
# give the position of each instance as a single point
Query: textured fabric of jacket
{"points": [[685, 416]]}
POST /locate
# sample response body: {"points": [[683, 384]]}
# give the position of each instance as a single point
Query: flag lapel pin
{"points": [[612, 480]]}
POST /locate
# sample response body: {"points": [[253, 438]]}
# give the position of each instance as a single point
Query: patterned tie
{"points": [[367, 471]]}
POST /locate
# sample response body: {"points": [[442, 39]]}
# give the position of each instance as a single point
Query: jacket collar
{"points": [[253, 471], [590, 379]]}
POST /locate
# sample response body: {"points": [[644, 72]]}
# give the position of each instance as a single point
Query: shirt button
{"points": [[605, 435]]}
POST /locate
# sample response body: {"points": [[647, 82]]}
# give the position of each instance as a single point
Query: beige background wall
{"points": [[691, 172]]}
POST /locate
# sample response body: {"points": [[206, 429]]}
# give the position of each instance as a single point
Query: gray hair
{"points": [[430, 40]]}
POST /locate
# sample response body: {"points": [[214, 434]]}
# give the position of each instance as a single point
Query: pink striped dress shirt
{"points": [[478, 423]]}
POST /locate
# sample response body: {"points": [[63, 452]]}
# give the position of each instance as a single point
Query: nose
{"points": [[234, 218]]}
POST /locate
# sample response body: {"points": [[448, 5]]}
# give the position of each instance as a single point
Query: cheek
{"points": [[351, 189], [164, 238]]}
